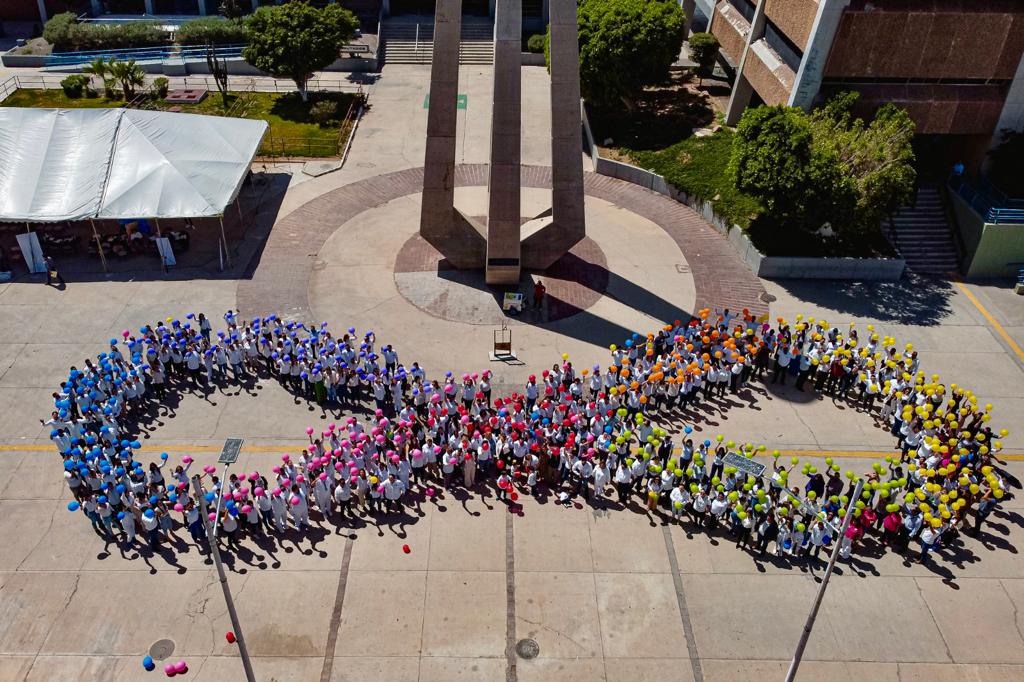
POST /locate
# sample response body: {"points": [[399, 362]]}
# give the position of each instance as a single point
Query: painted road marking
{"points": [[991, 320]]}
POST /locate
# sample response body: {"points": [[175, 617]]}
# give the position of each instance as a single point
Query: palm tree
{"points": [[129, 74], [98, 67]]}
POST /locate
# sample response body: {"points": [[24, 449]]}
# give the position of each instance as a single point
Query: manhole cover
{"points": [[767, 298], [527, 648], [161, 649]]}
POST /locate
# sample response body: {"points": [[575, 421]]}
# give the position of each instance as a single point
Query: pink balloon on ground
{"points": [[180, 667]]}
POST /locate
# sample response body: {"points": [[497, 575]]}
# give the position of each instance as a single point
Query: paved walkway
{"points": [[280, 279]]}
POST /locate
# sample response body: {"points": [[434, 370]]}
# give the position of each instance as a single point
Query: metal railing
{"points": [[993, 205], [235, 84]]}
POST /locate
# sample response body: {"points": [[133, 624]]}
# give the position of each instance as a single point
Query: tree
{"points": [[98, 67], [825, 167], [231, 9], [295, 40], [219, 70], [129, 75], [877, 157], [626, 45], [704, 51], [771, 158]]}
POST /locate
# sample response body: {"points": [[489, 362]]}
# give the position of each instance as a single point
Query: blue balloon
{"points": [[120, 488], [102, 499], [707, 443], [73, 506], [153, 499], [210, 497], [148, 513], [120, 516], [148, 663], [136, 444], [688, 429], [163, 455]]}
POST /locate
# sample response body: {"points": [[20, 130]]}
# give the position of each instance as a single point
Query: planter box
{"points": [[29, 61], [769, 267]]}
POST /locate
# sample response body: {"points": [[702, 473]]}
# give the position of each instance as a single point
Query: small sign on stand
{"points": [[503, 344]]}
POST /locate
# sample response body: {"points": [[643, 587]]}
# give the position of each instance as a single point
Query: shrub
{"points": [[704, 51], [160, 86], [66, 34], [74, 85], [211, 30], [59, 31], [110, 88], [323, 111], [536, 43]]}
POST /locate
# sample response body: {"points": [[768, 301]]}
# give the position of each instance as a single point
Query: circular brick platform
{"points": [[280, 278], [425, 278]]}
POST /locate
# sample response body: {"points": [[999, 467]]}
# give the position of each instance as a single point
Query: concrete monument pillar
{"points": [[503, 186], [567, 226], [742, 89], [461, 241], [812, 65]]}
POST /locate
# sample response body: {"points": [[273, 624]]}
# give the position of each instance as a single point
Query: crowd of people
{"points": [[617, 436]]}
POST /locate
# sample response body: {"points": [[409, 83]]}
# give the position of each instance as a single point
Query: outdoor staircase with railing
{"points": [[922, 234], [409, 42]]}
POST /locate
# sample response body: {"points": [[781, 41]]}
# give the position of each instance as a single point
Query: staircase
{"points": [[407, 42], [921, 233]]}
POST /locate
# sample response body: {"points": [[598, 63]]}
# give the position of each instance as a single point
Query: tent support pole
{"points": [[28, 230], [99, 244], [163, 264], [238, 205], [224, 239]]}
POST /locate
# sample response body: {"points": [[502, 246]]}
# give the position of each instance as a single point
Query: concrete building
{"points": [[955, 65]]}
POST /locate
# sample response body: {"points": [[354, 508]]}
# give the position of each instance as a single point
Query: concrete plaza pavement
{"points": [[607, 595]]}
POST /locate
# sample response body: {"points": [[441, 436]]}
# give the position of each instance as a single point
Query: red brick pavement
{"points": [[279, 281]]}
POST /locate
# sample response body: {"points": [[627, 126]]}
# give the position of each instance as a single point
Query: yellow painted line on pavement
{"points": [[149, 448], [991, 320]]}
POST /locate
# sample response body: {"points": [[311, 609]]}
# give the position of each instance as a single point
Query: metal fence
{"points": [[235, 84]]}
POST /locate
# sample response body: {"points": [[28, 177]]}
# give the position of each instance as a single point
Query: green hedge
{"points": [[700, 166], [66, 34], [211, 30]]}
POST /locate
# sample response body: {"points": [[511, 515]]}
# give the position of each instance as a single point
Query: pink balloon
{"points": [[331, 426], [258, 492], [354, 480], [276, 491], [178, 507], [285, 458], [395, 459], [209, 469], [212, 516], [380, 489], [169, 670], [430, 492], [309, 430], [286, 481], [323, 476], [246, 508], [339, 466], [244, 491], [237, 495], [300, 478], [126, 333], [180, 667], [254, 476], [186, 459], [276, 469], [295, 500], [227, 496]]}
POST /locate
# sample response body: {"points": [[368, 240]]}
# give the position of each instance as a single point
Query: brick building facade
{"points": [[955, 65]]}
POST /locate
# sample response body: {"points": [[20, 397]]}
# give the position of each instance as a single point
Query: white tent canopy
{"points": [[75, 164]]}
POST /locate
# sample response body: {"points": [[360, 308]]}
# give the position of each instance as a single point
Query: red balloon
{"points": [[501, 464], [514, 496], [230, 636], [405, 548]]}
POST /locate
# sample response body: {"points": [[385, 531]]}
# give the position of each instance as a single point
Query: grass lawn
{"points": [[292, 131], [699, 166]]}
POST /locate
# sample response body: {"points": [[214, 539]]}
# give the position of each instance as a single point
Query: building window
{"points": [[783, 46], [745, 8]]}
